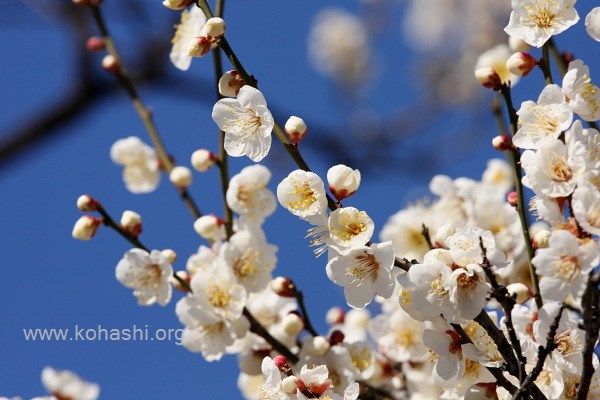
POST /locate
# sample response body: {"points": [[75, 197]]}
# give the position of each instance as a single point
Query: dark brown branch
{"points": [[590, 304]]}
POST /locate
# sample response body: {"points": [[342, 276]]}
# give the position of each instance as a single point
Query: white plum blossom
{"points": [[247, 123], [248, 195], [536, 21], [404, 229], [586, 208], [583, 96], [465, 247], [202, 259], [192, 22], [148, 274], [543, 120], [141, 173], [564, 265], [363, 272], [303, 194], [66, 385], [349, 227], [592, 24]]}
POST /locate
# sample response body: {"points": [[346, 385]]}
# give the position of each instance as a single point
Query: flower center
{"points": [[437, 289], [303, 195], [567, 268], [467, 282], [151, 275], [247, 265], [361, 357], [351, 226], [541, 14], [566, 344], [362, 268], [560, 170], [218, 297]]}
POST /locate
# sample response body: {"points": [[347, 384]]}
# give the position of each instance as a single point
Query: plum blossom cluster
{"points": [[65, 385]]}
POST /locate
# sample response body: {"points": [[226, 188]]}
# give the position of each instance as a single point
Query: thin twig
{"points": [[544, 64], [260, 330], [590, 304], [307, 324]]}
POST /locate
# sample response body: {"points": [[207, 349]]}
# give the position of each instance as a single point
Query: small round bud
{"points": [[280, 362], [343, 181], [183, 276], [181, 177], [170, 255], [85, 228], [87, 203], [209, 227], [520, 290], [203, 159], [95, 43], [131, 222], [111, 64], [335, 315], [230, 83], [292, 324], [488, 78], [513, 199], [283, 287], [296, 129], [521, 64], [177, 4], [502, 143], [357, 318], [289, 385], [214, 28], [516, 44], [320, 345], [541, 238], [336, 337]]}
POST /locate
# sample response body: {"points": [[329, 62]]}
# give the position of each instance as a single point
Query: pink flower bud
{"points": [[87, 203], [502, 143], [488, 78], [336, 337], [512, 199], [203, 159], [111, 64], [85, 228], [521, 64], [296, 130], [230, 83], [281, 363], [131, 222], [283, 287], [95, 43], [335, 315]]}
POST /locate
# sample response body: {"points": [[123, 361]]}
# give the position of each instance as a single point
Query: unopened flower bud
{"points": [[183, 276], [319, 346], [85, 228], [111, 64], [199, 46], [343, 181], [214, 28], [521, 64], [280, 362], [203, 159], [513, 199], [289, 385], [283, 287], [335, 315], [95, 43], [541, 238], [87, 203], [502, 143], [357, 318], [209, 227], [181, 177], [296, 129], [521, 291], [515, 44], [336, 337], [177, 4], [170, 255], [131, 222], [292, 324], [230, 83], [488, 78]]}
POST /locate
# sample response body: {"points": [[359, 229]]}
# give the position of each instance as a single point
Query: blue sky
{"points": [[53, 281]]}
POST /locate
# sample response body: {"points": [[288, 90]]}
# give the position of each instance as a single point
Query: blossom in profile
{"points": [[247, 123], [67, 385], [148, 274], [141, 173], [536, 21], [192, 22], [583, 96]]}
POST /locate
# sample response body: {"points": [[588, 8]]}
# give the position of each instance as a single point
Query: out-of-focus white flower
{"points": [[338, 46], [210, 227], [249, 385], [404, 229], [230, 83], [203, 159], [141, 173], [192, 22], [517, 45], [202, 259], [537, 21], [247, 123], [303, 194], [177, 4], [349, 228], [148, 274], [481, 391], [66, 385], [343, 181], [86, 227], [592, 24], [499, 173], [583, 96], [296, 129], [543, 120], [586, 207], [364, 272], [564, 265], [496, 58], [248, 194]]}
